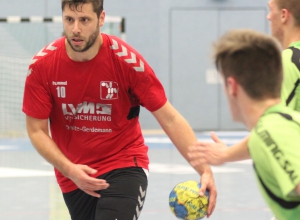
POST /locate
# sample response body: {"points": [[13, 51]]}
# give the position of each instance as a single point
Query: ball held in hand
{"points": [[186, 203]]}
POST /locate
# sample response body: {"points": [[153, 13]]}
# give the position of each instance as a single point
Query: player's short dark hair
{"points": [[293, 6], [253, 59], [77, 5]]}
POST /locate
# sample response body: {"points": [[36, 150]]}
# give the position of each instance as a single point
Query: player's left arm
{"points": [[182, 136]]}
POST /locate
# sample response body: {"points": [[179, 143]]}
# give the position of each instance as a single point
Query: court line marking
{"points": [[8, 147], [186, 169], [7, 172], [166, 140]]}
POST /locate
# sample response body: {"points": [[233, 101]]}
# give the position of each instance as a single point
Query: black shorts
{"points": [[122, 200]]}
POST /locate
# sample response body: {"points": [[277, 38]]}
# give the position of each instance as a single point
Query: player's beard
{"points": [[90, 42]]}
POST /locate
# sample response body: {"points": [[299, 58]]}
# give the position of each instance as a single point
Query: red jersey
{"points": [[93, 106]]}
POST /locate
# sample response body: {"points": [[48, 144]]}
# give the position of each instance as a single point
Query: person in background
{"points": [[284, 17], [250, 64]]}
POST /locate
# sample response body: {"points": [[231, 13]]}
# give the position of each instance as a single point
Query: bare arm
{"points": [[38, 133], [239, 151], [182, 136], [217, 153]]}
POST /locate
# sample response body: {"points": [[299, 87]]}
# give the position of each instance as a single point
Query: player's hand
{"points": [[208, 183], [80, 175], [213, 153]]}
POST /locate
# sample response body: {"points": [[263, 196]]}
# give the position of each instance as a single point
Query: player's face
{"points": [[275, 22], [82, 26]]}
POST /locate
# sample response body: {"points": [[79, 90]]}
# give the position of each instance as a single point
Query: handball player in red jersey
{"points": [[89, 86]]}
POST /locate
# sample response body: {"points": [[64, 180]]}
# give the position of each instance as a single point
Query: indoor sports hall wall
{"points": [[175, 37]]}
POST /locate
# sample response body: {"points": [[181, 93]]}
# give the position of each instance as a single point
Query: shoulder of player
{"points": [[291, 54], [126, 54], [48, 52], [286, 56], [279, 122]]}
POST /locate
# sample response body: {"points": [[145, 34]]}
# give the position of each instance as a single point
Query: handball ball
{"points": [[186, 203]]}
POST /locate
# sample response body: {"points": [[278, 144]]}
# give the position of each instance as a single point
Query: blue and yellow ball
{"points": [[185, 202]]}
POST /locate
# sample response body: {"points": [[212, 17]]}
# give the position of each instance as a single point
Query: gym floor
{"points": [[29, 190]]}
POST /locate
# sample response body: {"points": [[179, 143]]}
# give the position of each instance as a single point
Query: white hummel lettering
{"points": [[141, 68], [133, 58], [134, 218]]}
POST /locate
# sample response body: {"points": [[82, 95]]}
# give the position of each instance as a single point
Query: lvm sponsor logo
{"points": [[87, 111]]}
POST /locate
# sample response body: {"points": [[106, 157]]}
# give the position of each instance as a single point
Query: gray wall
{"points": [[175, 37]]}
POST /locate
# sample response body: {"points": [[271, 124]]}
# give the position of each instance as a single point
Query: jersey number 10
{"points": [[61, 92]]}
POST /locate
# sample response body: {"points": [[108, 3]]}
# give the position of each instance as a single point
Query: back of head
{"points": [[293, 6], [76, 5], [253, 59]]}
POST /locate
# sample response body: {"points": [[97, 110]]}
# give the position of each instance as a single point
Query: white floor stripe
{"points": [[165, 140], [8, 147], [185, 169], [6, 172]]}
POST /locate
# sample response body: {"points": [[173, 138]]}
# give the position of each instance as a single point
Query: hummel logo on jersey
{"points": [[123, 53], [60, 83], [109, 90]]}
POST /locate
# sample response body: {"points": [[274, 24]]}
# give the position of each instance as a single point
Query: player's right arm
{"points": [[38, 133], [217, 153]]}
